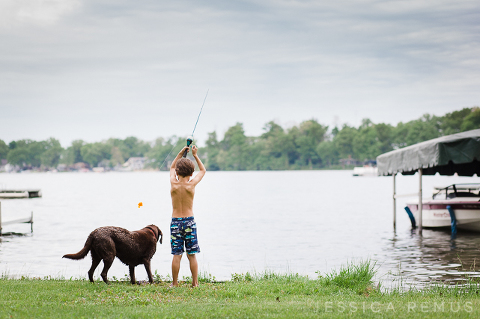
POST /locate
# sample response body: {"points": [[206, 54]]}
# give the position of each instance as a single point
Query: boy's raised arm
{"points": [[201, 167], [173, 177]]}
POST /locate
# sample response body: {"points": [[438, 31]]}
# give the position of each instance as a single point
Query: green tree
{"points": [[66, 157], [3, 150], [413, 132], [272, 130], [234, 154], [25, 153], [73, 153], [451, 123], [133, 147], [52, 152], [274, 147], [234, 137], [35, 152], [77, 151], [94, 153], [212, 150], [18, 156], [311, 133], [293, 133], [426, 128], [384, 137], [163, 152], [365, 144], [117, 157], [344, 141], [472, 120], [327, 152]]}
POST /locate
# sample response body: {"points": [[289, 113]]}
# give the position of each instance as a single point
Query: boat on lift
{"points": [[463, 199]]}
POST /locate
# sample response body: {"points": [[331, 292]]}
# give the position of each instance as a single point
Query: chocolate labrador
{"points": [[132, 248]]}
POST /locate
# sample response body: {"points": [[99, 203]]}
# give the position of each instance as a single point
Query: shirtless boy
{"points": [[183, 229]]}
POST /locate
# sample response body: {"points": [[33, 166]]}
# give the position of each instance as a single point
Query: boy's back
{"points": [[182, 198], [183, 189]]}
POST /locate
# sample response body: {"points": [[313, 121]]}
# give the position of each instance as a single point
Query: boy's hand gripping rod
{"points": [[189, 141], [190, 138]]}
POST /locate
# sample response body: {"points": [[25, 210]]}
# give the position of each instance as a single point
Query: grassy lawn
{"points": [[348, 292]]}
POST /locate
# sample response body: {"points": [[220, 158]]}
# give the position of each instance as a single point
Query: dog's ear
{"points": [[161, 234]]}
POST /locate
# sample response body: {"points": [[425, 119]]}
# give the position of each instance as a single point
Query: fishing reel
{"points": [[189, 142]]}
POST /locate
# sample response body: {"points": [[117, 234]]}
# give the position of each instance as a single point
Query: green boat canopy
{"points": [[458, 153]]}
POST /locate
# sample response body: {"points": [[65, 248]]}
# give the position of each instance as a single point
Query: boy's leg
{"points": [[175, 269], [193, 268]]}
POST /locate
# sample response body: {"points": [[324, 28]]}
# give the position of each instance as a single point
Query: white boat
{"points": [[365, 171], [464, 201], [11, 194]]}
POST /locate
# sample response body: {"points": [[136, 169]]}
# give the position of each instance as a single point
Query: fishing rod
{"points": [[190, 138]]}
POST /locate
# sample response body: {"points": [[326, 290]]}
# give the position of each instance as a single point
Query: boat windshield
{"points": [[457, 190]]}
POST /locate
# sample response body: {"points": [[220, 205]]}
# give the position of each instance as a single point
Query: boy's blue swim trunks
{"points": [[183, 230]]}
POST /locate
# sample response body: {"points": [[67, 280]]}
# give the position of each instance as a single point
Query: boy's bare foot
{"points": [[195, 285], [173, 285]]}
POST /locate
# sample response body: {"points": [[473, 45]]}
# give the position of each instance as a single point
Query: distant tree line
{"points": [[309, 145], [49, 153]]}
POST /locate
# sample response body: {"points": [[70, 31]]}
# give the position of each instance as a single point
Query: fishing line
{"points": [[190, 138], [200, 112], [160, 167]]}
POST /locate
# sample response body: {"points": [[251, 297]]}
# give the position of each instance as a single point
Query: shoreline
{"points": [[268, 294]]}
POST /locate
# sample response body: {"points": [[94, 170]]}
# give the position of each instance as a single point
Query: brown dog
{"points": [[132, 248]]}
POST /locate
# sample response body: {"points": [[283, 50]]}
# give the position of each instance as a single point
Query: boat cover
{"points": [[457, 153]]}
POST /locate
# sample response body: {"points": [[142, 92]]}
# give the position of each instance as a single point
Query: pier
{"points": [[23, 193], [28, 220]]}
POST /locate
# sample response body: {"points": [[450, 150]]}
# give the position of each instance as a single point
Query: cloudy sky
{"points": [[85, 69]]}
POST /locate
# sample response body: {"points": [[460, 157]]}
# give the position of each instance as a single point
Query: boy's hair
{"points": [[184, 167]]}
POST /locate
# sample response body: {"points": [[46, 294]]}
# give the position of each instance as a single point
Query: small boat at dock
{"points": [[464, 201], [27, 193], [365, 171]]}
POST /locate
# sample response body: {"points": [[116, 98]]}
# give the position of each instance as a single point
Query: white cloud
{"points": [[34, 12]]}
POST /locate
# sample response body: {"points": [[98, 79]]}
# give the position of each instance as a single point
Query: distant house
{"points": [[349, 161], [62, 167], [81, 167], [9, 168], [134, 164], [99, 169], [3, 162]]}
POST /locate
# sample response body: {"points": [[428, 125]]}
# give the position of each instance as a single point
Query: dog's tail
{"points": [[82, 253]]}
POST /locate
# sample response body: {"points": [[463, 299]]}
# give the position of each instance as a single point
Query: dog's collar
{"points": [[150, 229]]}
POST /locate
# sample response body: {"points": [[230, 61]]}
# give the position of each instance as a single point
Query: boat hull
{"points": [[365, 171], [436, 214], [12, 194]]}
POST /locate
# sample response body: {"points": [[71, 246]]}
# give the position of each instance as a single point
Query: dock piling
{"points": [[394, 203], [420, 204], [17, 221]]}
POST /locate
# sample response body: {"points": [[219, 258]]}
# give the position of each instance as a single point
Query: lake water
{"points": [[282, 221]]}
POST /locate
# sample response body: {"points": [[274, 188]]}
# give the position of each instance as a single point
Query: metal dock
{"points": [[28, 220]]}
